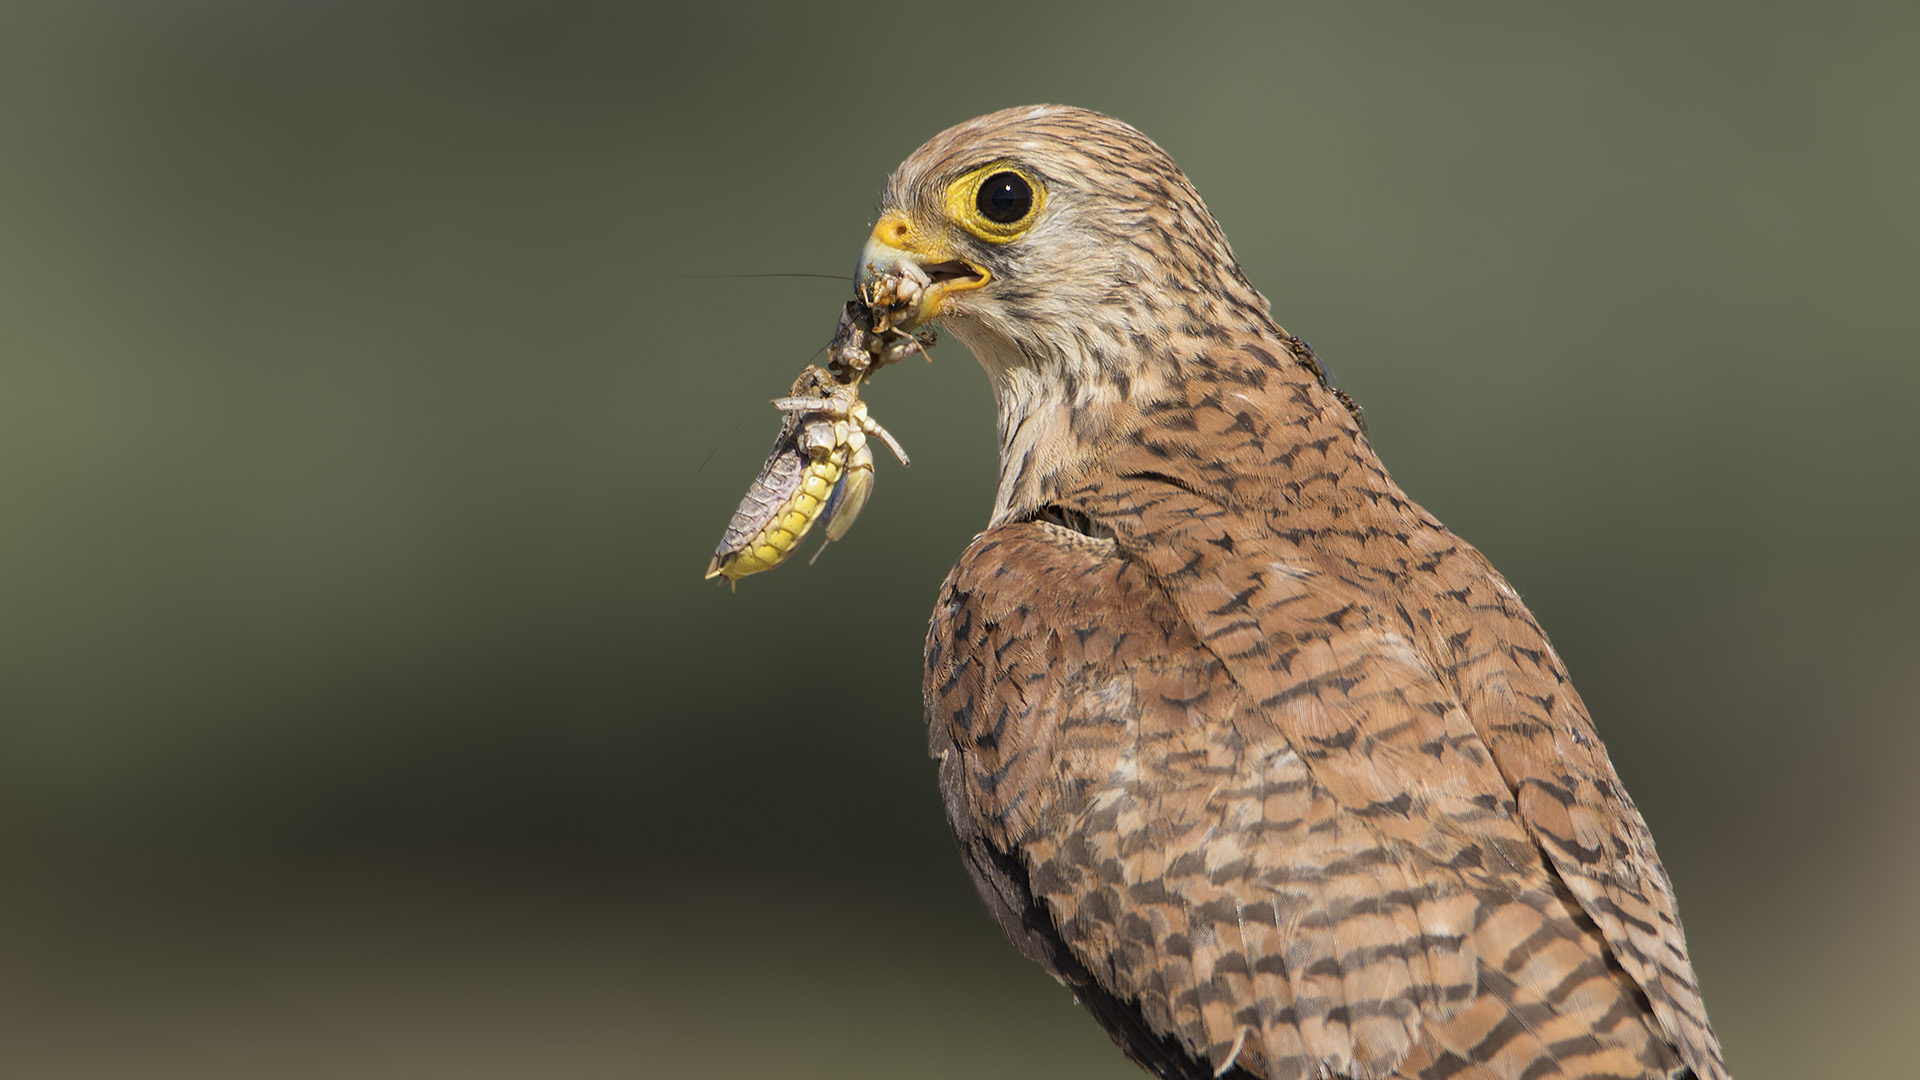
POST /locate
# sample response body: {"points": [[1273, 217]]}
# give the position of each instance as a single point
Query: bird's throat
{"points": [[1057, 421]]}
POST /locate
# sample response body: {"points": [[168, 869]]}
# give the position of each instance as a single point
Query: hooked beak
{"points": [[914, 273]]}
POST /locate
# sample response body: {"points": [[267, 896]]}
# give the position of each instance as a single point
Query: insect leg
{"points": [[871, 427]]}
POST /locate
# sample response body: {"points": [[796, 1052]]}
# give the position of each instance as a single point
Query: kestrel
{"points": [[1273, 771]]}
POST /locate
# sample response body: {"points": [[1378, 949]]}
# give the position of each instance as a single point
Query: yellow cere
{"points": [[963, 207]]}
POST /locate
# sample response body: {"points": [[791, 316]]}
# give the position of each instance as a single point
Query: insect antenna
{"points": [[718, 445], [743, 416], [715, 277]]}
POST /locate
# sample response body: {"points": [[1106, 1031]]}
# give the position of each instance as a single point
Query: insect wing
{"points": [[850, 494]]}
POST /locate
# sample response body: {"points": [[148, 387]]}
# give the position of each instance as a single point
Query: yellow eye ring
{"points": [[997, 202]]}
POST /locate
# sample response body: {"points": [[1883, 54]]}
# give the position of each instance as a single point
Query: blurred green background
{"points": [[363, 712]]}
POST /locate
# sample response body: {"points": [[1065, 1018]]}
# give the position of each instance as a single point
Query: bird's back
{"points": [[1283, 778]]}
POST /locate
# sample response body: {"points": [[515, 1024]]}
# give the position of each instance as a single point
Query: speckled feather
{"points": [[1273, 770]]}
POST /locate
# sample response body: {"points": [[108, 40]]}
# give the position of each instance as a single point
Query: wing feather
{"points": [[1158, 771]]}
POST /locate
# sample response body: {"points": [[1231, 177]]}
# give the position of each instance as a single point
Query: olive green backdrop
{"points": [[369, 408]]}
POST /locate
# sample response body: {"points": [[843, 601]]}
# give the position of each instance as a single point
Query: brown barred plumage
{"points": [[1270, 768]]}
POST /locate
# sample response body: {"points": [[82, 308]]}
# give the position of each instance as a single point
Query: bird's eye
{"points": [[1005, 198], [997, 202]]}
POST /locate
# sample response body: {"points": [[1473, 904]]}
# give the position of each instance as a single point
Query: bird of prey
{"points": [[1273, 771]]}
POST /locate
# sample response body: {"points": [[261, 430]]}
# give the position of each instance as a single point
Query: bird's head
{"points": [[1072, 256], [1040, 224]]}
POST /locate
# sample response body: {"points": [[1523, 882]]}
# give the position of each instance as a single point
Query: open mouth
{"points": [[952, 270]]}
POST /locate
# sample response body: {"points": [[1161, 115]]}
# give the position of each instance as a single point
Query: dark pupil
{"points": [[1005, 198]]}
